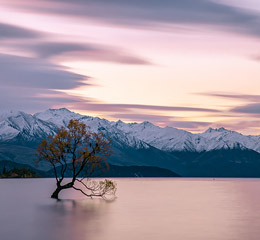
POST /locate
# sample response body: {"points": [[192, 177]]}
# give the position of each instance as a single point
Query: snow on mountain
{"points": [[17, 123], [223, 138], [167, 139], [61, 117], [172, 139], [112, 132], [6, 131], [143, 135]]}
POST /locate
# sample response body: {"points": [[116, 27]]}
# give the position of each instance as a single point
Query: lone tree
{"points": [[76, 151]]}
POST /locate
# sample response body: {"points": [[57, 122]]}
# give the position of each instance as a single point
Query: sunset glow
{"points": [[186, 64]]}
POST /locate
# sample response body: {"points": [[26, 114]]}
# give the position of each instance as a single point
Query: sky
{"points": [[190, 64]]}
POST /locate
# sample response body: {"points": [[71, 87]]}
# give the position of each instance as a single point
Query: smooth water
{"points": [[176, 209]]}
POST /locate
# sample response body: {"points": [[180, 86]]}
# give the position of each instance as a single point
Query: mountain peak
{"points": [[222, 129], [58, 111], [119, 122], [12, 113], [147, 123], [59, 116]]}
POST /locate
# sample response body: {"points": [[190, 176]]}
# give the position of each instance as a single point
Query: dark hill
{"points": [[114, 171]]}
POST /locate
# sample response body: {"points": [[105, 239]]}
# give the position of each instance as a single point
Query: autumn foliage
{"points": [[80, 152]]}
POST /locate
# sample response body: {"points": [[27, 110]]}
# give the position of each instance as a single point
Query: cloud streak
{"points": [[161, 120], [65, 50], [250, 109], [33, 73], [106, 107], [27, 99], [244, 97], [86, 52], [149, 12], [8, 31]]}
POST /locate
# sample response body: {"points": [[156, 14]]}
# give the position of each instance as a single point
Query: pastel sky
{"points": [[190, 64]]}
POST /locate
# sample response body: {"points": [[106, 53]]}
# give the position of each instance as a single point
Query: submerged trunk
{"points": [[55, 194]]}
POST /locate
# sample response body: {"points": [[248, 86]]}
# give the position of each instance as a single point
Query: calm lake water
{"points": [[176, 209]]}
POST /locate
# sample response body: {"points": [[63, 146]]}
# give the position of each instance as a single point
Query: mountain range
{"points": [[215, 152]]}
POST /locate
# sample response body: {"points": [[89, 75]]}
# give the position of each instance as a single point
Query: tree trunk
{"points": [[61, 187], [55, 194]]}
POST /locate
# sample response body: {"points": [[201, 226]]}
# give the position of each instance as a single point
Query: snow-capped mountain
{"points": [[16, 124], [172, 139], [166, 139], [223, 138], [213, 153], [61, 117]]}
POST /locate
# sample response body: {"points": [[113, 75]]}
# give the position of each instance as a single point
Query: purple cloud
{"points": [[246, 97], [127, 107], [34, 73], [161, 120], [29, 99], [146, 13], [189, 124], [80, 51], [8, 31], [67, 50], [249, 126], [255, 58], [142, 117], [250, 108]]}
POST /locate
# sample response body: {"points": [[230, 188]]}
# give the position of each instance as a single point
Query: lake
{"points": [[176, 209]]}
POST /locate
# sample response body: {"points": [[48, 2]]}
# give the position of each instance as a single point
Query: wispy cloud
{"points": [[250, 109], [26, 99], [108, 107], [253, 106], [162, 120], [33, 73], [244, 97], [137, 117], [256, 58], [82, 51], [147, 12], [8, 31], [36, 44], [248, 126], [190, 125]]}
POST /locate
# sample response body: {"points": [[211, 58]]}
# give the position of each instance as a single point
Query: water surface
{"points": [[179, 209]]}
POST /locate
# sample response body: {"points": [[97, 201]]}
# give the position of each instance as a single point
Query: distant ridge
{"points": [[113, 171], [215, 152], [17, 124]]}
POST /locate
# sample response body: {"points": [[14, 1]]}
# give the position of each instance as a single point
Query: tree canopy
{"points": [[78, 151]]}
